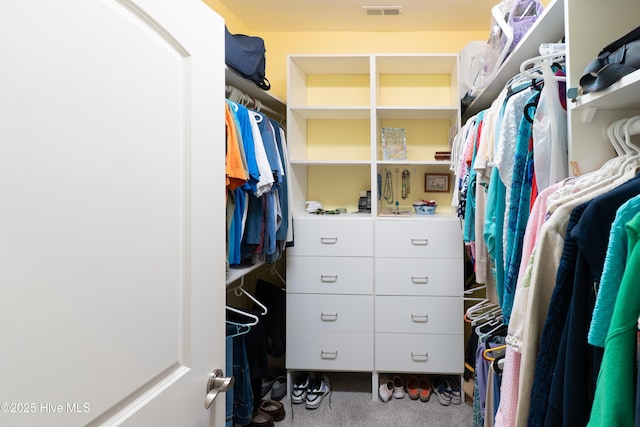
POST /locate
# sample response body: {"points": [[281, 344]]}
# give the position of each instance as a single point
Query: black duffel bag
{"points": [[246, 55], [614, 61]]}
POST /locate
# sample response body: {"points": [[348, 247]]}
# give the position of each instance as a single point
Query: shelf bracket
{"points": [[588, 114]]}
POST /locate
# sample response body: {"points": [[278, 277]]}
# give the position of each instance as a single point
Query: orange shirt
{"points": [[234, 166]]}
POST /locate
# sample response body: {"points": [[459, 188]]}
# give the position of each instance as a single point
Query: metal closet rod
{"points": [[253, 103]]}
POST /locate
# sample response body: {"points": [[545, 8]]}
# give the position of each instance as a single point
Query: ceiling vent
{"points": [[382, 10]]}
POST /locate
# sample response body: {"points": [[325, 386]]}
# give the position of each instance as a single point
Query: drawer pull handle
{"points": [[420, 242], [329, 354], [420, 318], [327, 278], [420, 357], [329, 317], [420, 280], [328, 240]]}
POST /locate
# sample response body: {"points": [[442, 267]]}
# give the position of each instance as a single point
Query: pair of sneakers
{"points": [[448, 391], [391, 387], [310, 390]]}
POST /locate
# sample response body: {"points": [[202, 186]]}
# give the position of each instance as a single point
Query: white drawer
{"points": [[332, 352], [414, 276], [432, 238], [311, 314], [332, 237], [330, 275], [419, 353], [419, 315]]}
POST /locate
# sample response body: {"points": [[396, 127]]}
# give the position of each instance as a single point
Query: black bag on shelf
{"points": [[614, 61], [246, 55]]}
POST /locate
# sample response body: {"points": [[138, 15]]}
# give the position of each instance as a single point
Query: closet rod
{"points": [[261, 107]]}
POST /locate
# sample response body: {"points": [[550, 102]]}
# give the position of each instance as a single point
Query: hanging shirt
{"points": [[582, 361], [545, 265], [241, 114], [614, 400], [266, 175], [234, 163], [612, 273]]}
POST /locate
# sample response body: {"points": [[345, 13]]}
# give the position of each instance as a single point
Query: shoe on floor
{"points": [[279, 388], [299, 391], [454, 387], [261, 419], [267, 383], [413, 388], [424, 384], [272, 408], [442, 391], [317, 390], [398, 387], [386, 388]]}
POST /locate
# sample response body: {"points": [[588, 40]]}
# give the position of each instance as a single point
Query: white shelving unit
{"points": [[591, 25], [338, 271], [338, 105]]}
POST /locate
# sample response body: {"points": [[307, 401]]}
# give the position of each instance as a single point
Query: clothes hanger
{"points": [[241, 290], [241, 329], [477, 310], [471, 291], [612, 133], [632, 157], [244, 313], [274, 272], [499, 330], [487, 316], [499, 350], [530, 65], [631, 127]]}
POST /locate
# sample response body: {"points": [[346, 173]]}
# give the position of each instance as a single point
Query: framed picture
{"points": [[436, 183]]}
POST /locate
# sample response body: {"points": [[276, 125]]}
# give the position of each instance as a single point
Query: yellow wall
{"points": [[233, 23], [281, 44]]}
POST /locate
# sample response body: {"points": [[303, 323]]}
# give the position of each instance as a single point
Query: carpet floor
{"points": [[350, 405]]}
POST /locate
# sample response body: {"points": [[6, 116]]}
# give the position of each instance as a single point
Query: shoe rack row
{"points": [[446, 388]]}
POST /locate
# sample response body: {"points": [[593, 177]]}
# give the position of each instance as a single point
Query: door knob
{"points": [[217, 383]]}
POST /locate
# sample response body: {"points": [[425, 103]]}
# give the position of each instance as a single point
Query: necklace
{"points": [[387, 191], [406, 183]]}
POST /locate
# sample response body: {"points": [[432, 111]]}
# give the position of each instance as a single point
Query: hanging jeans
{"points": [[242, 394], [228, 370]]}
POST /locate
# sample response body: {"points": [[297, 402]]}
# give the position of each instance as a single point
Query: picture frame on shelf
{"points": [[394, 144], [436, 183]]}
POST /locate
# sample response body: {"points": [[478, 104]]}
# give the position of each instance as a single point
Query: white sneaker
{"points": [[398, 387], [386, 388], [318, 389], [299, 391]]}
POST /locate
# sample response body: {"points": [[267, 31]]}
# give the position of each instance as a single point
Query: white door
{"points": [[112, 200]]}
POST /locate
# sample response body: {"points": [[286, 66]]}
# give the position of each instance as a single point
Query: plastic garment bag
{"points": [[549, 132]]}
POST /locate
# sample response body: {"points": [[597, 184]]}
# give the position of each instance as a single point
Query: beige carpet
{"points": [[351, 406]]}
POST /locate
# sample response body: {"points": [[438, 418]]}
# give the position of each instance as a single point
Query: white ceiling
{"points": [[347, 15]]}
